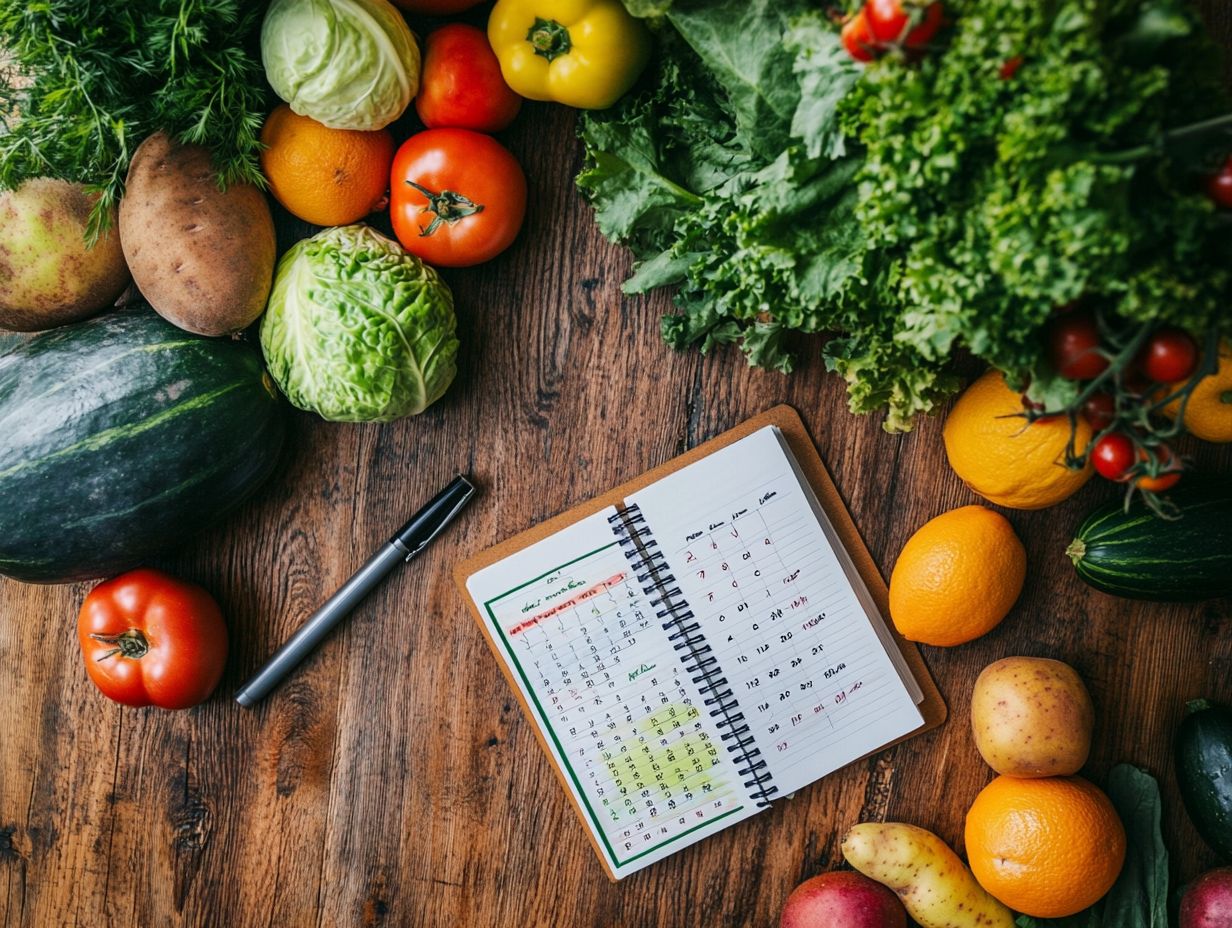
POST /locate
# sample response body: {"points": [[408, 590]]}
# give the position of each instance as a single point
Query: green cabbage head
{"points": [[357, 330], [350, 64]]}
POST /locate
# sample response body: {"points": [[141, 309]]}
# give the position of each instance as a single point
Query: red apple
{"points": [[1207, 902], [842, 899]]}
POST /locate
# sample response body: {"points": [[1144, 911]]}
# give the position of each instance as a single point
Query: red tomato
{"points": [[1100, 410], [1219, 186], [461, 86], [1073, 345], [906, 24], [1114, 455], [1170, 356], [858, 38], [436, 7], [1169, 471], [151, 639], [457, 198]]}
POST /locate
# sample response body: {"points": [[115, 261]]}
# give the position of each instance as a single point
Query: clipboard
{"points": [[932, 708]]}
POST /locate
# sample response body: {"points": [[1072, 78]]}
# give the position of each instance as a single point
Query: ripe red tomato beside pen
{"points": [[457, 198], [151, 639], [461, 86]]}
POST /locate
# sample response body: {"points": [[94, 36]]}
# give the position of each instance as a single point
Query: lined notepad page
{"points": [[618, 713], [793, 627]]}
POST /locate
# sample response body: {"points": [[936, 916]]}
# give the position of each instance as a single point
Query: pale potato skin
{"points": [[202, 257], [934, 885], [1032, 717], [48, 276]]}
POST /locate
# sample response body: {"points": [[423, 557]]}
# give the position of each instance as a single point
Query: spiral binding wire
{"points": [[649, 566]]}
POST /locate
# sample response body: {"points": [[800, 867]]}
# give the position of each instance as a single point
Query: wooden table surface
{"points": [[394, 781]]}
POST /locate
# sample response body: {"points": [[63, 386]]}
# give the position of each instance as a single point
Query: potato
{"points": [[48, 277], [202, 257], [935, 886], [1032, 717]]}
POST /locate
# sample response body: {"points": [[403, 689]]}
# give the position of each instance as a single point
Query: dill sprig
{"points": [[83, 82]]}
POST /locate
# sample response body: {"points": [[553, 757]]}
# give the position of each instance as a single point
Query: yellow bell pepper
{"points": [[583, 53]]}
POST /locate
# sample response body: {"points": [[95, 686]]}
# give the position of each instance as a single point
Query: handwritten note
{"points": [[611, 696], [808, 669]]}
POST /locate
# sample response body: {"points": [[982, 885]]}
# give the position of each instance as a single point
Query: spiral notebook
{"points": [[700, 642]]}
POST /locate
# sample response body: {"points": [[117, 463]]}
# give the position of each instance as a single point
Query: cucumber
{"points": [[1138, 555], [1203, 751], [120, 437]]}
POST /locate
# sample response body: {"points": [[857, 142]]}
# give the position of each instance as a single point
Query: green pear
{"points": [[48, 276]]}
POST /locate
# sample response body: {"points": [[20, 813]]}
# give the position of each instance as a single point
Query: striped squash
{"points": [[122, 436], [1138, 555]]}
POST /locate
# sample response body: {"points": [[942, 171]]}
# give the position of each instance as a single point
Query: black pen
{"points": [[409, 540]]}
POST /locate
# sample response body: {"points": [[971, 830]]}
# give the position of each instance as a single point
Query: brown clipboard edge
{"points": [[932, 708]]}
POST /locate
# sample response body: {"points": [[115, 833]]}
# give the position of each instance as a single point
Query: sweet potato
{"points": [[201, 256], [935, 886]]}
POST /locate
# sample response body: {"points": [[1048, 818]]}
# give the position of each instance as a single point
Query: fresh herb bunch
{"points": [[82, 84], [925, 203]]}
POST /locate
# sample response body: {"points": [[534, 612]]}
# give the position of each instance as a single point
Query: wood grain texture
{"points": [[393, 781]]}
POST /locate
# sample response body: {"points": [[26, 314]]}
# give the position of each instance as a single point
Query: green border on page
{"points": [[564, 756]]}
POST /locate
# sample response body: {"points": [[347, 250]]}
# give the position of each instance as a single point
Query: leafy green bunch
{"points": [[1053, 152], [1042, 152], [83, 83]]}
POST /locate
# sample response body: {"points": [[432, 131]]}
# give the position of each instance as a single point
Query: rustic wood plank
{"points": [[394, 781]]}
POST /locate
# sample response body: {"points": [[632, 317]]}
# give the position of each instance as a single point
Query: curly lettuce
{"points": [[912, 209]]}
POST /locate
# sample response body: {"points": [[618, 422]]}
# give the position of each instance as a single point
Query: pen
{"points": [[408, 541]]}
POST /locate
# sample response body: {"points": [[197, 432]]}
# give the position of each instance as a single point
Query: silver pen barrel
{"points": [[320, 623]]}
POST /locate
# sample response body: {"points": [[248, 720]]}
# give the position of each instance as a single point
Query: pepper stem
{"points": [[549, 38], [446, 206], [131, 644]]}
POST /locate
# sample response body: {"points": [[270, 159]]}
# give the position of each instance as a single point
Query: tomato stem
{"points": [[131, 644], [549, 38], [446, 206]]}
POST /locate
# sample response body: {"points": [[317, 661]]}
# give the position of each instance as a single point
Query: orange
{"points": [[1046, 848], [957, 577], [329, 177], [1005, 460], [1208, 414]]}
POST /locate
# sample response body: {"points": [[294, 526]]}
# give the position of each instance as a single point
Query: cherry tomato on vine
{"points": [[858, 37], [1010, 68], [1169, 471], [1170, 355], [1099, 410], [1114, 455], [1219, 186], [1074, 346], [151, 639], [457, 198], [911, 25], [461, 85]]}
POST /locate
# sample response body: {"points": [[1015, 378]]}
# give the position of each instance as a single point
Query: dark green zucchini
{"points": [[1203, 752], [1139, 555], [120, 437]]}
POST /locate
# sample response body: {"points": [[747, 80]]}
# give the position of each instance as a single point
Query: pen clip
{"points": [[442, 520]]}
